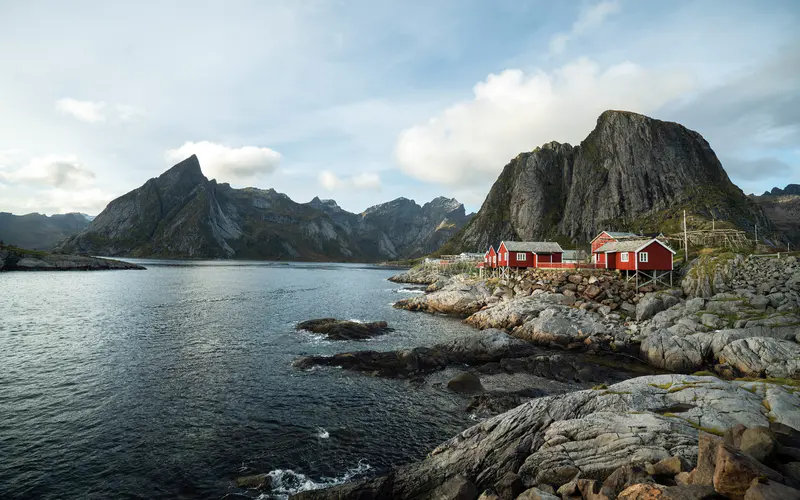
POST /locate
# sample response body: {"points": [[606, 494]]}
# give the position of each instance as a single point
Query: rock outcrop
{"points": [[615, 441], [631, 173], [782, 207], [15, 259], [337, 329], [183, 214]]}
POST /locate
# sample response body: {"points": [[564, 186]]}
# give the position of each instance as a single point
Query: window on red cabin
{"points": [[521, 256], [643, 256], [624, 257]]}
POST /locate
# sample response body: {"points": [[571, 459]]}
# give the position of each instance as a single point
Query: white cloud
{"points": [[51, 170], [48, 184], [126, 112], [228, 164], [97, 111], [470, 142], [591, 17], [360, 182], [85, 111]]}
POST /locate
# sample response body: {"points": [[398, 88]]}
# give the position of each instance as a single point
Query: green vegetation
{"points": [[662, 386], [23, 251], [705, 373], [600, 387], [709, 430]]}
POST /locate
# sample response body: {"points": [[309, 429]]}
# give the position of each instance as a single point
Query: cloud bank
{"points": [[359, 182]]}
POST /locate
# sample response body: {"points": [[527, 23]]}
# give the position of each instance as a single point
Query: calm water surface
{"points": [[169, 382]]}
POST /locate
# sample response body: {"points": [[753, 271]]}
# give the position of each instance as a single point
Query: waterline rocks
{"points": [[478, 348], [460, 297], [336, 329], [418, 275], [13, 259], [576, 442]]}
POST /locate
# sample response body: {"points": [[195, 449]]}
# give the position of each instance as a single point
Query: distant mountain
{"points": [[782, 207], [183, 214], [39, 232], [632, 173], [789, 189]]}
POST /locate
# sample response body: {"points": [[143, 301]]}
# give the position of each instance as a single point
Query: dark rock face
{"points": [[182, 214], [39, 232], [337, 329], [631, 173], [782, 207]]}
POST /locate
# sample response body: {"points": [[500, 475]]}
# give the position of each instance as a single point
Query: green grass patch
{"points": [[705, 373], [662, 386]]}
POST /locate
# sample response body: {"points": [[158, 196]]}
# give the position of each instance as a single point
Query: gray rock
{"points": [[649, 306], [760, 356], [591, 433], [466, 383]]}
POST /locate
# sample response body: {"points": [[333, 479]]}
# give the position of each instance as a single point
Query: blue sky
{"points": [[366, 101]]}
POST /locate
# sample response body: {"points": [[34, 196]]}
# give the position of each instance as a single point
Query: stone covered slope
{"points": [[183, 214], [15, 259], [631, 173], [552, 442]]}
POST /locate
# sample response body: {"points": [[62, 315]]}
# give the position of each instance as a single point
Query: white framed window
{"points": [[494, 259], [594, 258], [643, 256], [521, 256], [624, 257]]}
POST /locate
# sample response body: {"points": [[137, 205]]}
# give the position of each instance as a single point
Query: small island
{"points": [[19, 259]]}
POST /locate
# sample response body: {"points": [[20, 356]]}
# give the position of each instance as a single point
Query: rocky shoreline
{"points": [[14, 259], [618, 420]]}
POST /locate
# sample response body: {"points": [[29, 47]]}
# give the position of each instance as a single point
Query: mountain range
{"points": [[182, 214], [40, 232], [782, 206], [631, 173]]}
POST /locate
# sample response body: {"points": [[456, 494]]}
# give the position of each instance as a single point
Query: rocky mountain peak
{"points": [[187, 171], [632, 172]]}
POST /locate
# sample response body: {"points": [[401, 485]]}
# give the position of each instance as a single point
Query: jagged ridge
{"points": [[183, 214]]}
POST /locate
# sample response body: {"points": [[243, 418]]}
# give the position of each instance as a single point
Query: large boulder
{"points": [[683, 354], [763, 356], [461, 298], [466, 383]]}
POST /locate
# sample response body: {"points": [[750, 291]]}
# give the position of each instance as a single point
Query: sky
{"points": [[364, 101]]}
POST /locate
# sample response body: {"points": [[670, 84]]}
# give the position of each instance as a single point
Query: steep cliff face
{"points": [[183, 214], [39, 232], [631, 173]]}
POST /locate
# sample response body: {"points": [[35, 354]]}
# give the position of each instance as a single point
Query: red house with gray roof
{"points": [[606, 237], [635, 255], [490, 259], [521, 254]]}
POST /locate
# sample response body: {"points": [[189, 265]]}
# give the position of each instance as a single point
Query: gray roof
{"points": [[627, 246], [533, 246], [619, 234]]}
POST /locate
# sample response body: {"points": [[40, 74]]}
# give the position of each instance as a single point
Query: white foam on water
{"points": [[409, 290], [286, 482], [322, 433], [356, 321]]}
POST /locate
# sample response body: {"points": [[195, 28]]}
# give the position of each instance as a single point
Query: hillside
{"points": [[40, 232], [631, 173], [182, 214], [782, 206]]}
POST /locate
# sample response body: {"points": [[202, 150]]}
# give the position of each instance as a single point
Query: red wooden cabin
{"points": [[607, 237], [636, 255], [520, 254], [491, 258]]}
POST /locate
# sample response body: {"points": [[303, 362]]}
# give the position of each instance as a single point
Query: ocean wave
{"points": [[286, 482], [322, 433], [407, 290]]}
